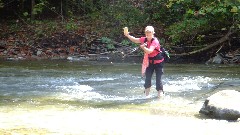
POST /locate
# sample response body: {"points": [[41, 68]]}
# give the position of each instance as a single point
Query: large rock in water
{"points": [[223, 105]]}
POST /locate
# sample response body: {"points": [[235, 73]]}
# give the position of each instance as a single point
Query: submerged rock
{"points": [[222, 105]]}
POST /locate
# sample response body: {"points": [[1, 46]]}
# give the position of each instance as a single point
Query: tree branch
{"points": [[218, 42]]}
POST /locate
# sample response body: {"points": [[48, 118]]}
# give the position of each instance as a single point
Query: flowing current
{"points": [[31, 87]]}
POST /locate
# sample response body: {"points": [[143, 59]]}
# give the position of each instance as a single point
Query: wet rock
{"points": [[217, 59], [78, 58], [232, 57], [2, 44], [39, 52], [222, 105], [103, 58]]}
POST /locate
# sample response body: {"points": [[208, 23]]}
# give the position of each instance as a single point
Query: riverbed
{"points": [[80, 97]]}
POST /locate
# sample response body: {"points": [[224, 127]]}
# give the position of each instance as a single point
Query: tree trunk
{"points": [[21, 7], [65, 8], [32, 9]]}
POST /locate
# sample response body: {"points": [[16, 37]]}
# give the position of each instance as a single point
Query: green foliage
{"points": [[25, 14], [159, 11], [119, 14], [38, 8], [109, 43], [186, 28], [44, 28], [162, 41], [125, 42], [1, 4], [106, 40], [180, 20], [13, 26], [110, 46], [39, 32], [201, 17], [71, 25], [52, 26], [128, 43]]}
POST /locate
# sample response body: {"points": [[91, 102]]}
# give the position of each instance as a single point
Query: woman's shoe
{"points": [[146, 91], [160, 93]]}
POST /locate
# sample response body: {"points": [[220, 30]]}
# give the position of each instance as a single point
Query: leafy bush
{"points": [[108, 42], [202, 17], [128, 43], [71, 25], [186, 28], [119, 14], [180, 20]]}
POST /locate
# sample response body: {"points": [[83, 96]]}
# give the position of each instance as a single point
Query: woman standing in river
{"points": [[151, 47]]}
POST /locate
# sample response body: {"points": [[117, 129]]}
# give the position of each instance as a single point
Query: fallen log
{"points": [[216, 43]]}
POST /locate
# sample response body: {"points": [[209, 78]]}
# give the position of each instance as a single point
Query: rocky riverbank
{"points": [[67, 45], [78, 46]]}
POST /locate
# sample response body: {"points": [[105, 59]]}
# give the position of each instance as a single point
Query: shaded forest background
{"points": [[192, 30]]}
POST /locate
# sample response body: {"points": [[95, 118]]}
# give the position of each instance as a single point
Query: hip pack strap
{"points": [[157, 57]]}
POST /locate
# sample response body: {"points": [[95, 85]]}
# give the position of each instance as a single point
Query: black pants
{"points": [[158, 68]]}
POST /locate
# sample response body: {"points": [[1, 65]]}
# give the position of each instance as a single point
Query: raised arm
{"points": [[132, 38]]}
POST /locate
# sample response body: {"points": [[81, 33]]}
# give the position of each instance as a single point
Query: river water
{"points": [[66, 97]]}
